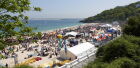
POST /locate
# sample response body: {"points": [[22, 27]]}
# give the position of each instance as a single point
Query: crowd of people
{"points": [[51, 43]]}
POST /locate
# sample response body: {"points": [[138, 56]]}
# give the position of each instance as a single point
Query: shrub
{"points": [[122, 63], [97, 64], [133, 26], [119, 48]]}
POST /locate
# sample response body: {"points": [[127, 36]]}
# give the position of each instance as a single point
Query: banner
{"points": [[59, 43]]}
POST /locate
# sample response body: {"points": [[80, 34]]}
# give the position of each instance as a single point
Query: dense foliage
{"points": [[120, 13], [119, 48], [133, 26], [118, 63], [13, 21], [123, 52]]}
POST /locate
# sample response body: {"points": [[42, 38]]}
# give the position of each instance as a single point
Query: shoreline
{"points": [[69, 27]]}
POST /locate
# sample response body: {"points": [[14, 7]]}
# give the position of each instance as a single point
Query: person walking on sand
{"points": [[6, 65]]}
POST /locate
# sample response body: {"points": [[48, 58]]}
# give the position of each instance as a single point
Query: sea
{"points": [[46, 25]]}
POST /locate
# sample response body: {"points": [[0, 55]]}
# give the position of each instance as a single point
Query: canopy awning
{"points": [[106, 25], [71, 33], [81, 48]]}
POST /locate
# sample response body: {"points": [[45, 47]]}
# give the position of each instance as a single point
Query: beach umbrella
{"points": [[106, 34], [59, 36], [99, 39], [93, 29], [109, 35], [53, 32], [104, 38]]}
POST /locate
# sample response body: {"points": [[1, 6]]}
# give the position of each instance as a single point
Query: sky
{"points": [[73, 8]]}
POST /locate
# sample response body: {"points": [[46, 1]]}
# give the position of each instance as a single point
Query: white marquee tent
{"points": [[71, 33], [106, 25], [78, 51]]}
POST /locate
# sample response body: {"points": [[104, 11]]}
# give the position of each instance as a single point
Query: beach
{"points": [[21, 59], [71, 27], [48, 47]]}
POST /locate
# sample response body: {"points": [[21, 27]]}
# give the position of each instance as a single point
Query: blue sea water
{"points": [[44, 25]]}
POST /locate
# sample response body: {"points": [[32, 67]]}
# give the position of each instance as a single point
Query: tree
{"points": [[97, 64], [132, 39], [119, 48], [39, 35], [119, 13], [12, 21], [133, 26], [101, 51], [122, 63]]}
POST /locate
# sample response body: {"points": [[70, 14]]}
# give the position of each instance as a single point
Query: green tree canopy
{"points": [[119, 48], [133, 26], [122, 63], [128, 45], [13, 21], [119, 13]]}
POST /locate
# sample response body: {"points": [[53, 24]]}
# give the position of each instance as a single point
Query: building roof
{"points": [[81, 48]]}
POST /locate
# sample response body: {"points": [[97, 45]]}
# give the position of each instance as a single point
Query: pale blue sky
{"points": [[73, 8]]}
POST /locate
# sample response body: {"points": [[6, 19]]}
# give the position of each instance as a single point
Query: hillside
{"points": [[123, 52], [119, 13]]}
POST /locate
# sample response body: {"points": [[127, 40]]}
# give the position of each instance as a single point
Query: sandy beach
{"points": [[22, 56], [34, 49]]}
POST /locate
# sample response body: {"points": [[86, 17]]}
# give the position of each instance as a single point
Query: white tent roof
{"points": [[81, 48], [72, 33], [106, 25]]}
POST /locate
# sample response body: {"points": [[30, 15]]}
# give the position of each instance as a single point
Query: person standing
{"points": [[6, 65], [15, 58]]}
